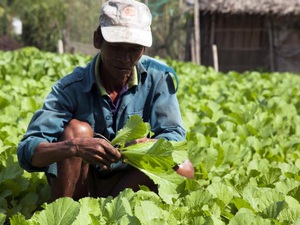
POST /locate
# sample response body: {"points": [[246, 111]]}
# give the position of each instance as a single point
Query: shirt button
{"points": [[108, 117]]}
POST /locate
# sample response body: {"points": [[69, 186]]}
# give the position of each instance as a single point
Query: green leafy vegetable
{"points": [[243, 132], [135, 128], [156, 159]]}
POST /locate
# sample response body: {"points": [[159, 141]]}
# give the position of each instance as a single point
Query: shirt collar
{"points": [[132, 81]]}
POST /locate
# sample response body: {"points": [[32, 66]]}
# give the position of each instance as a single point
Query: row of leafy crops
{"points": [[243, 140]]}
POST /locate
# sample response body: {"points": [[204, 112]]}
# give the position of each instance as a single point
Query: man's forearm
{"points": [[48, 153]]}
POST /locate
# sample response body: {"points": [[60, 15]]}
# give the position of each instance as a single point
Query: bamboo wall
{"points": [[251, 42]]}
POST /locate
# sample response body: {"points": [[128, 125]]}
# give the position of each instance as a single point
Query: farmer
{"points": [[64, 137]]}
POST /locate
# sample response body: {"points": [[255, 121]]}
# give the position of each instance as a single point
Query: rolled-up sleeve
{"points": [[25, 151]]}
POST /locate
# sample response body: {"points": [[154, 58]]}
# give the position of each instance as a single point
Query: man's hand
{"points": [[185, 169], [140, 140], [96, 151]]}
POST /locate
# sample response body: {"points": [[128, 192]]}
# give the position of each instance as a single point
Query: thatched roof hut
{"points": [[259, 7], [251, 34]]}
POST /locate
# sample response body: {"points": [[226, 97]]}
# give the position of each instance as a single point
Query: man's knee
{"points": [[71, 180], [77, 128]]}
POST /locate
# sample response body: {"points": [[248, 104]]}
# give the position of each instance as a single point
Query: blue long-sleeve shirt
{"points": [[77, 96]]}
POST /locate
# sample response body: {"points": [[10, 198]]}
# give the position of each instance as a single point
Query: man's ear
{"points": [[97, 39], [142, 52]]}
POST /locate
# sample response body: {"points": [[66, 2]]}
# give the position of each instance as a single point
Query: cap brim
{"points": [[127, 35]]}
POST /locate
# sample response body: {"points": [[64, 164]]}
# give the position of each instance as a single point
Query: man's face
{"points": [[119, 59]]}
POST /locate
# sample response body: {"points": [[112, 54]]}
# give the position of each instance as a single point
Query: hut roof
{"points": [[275, 7]]}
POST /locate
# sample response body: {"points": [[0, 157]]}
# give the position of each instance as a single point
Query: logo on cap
{"points": [[128, 11]]}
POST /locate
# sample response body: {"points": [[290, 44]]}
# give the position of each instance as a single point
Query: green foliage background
{"points": [[42, 21], [45, 22], [243, 139]]}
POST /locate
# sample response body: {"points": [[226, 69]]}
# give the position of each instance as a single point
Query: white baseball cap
{"points": [[126, 21]]}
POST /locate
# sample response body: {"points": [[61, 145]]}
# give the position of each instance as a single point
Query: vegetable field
{"points": [[243, 140]]}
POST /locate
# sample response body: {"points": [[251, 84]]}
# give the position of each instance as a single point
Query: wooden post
{"points": [[60, 47], [215, 57], [180, 36], [197, 39]]}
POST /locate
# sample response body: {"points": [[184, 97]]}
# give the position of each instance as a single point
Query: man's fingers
{"points": [[101, 161], [111, 153], [140, 140]]}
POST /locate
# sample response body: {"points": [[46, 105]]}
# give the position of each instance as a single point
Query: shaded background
{"points": [[225, 34]]}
